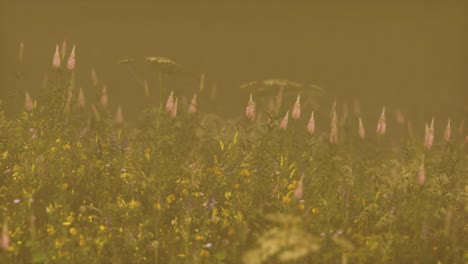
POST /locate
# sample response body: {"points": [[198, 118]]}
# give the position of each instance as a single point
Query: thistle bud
{"points": [[311, 124], [174, 109], [56, 60], [448, 131], [71, 59], [381, 124], [250, 109], [119, 119], [193, 105], [170, 102], [362, 131], [284, 123], [296, 113], [28, 102]]}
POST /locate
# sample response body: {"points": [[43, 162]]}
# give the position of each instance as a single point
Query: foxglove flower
{"points": [[192, 109], [448, 131], [362, 131], [56, 60], [381, 124], [28, 103], [299, 191], [250, 109], [429, 135], [284, 123], [174, 109], [296, 113], [5, 240], [170, 102], [311, 124], [421, 174], [71, 59]]}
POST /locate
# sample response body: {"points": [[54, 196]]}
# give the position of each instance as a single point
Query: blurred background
{"points": [[411, 55]]}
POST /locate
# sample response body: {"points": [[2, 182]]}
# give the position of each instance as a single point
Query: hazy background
{"points": [[407, 54]]}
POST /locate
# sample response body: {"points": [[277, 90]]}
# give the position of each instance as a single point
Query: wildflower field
{"points": [[286, 182]]}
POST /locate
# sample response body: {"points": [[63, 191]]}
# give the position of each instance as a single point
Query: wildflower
{"points": [[104, 97], [21, 50], [284, 123], [174, 109], [311, 124], [381, 125], [119, 119], [400, 117], [334, 128], [297, 108], [193, 105], [5, 240], [56, 60], [362, 131], [71, 59], [28, 102], [250, 109], [81, 99], [429, 135], [447, 131], [170, 102], [421, 174], [94, 77], [299, 191], [73, 231]]}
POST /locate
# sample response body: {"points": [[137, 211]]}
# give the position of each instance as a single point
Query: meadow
{"points": [[287, 182]]}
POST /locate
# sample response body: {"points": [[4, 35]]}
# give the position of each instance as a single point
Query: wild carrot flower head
{"points": [[448, 131], [311, 124], [28, 102], [174, 109], [381, 124], [56, 60], [250, 109], [284, 123], [192, 109], [170, 102], [71, 59], [362, 131], [296, 113]]}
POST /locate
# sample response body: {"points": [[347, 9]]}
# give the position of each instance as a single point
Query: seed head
{"points": [[311, 124], [63, 51], [250, 109], [56, 60], [297, 108], [284, 123], [94, 78], [400, 117], [202, 82], [21, 51]]}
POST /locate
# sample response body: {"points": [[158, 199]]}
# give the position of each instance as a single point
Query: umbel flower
{"points": [[170, 102], [334, 128], [429, 135], [362, 131], [297, 108], [381, 124], [56, 59], [311, 124], [174, 109], [28, 102], [71, 59], [448, 131], [250, 109], [192, 109], [284, 123]]}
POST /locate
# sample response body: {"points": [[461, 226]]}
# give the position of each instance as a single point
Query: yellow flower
{"points": [[157, 205], [204, 253], [315, 210], [53, 149], [134, 204], [170, 198], [199, 237], [286, 200], [73, 231], [102, 228], [50, 230], [66, 146]]}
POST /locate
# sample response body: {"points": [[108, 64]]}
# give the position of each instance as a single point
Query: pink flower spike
{"points": [[362, 131], [311, 124], [429, 135], [56, 60], [104, 98], [299, 191], [381, 125], [119, 118], [284, 123], [400, 117], [170, 102], [81, 99], [421, 174], [448, 131], [250, 109], [334, 127], [71, 59], [28, 102], [297, 108], [193, 105], [174, 109], [5, 240]]}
